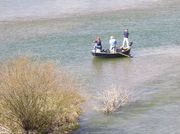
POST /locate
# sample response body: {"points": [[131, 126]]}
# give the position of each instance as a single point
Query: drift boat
{"points": [[108, 54]]}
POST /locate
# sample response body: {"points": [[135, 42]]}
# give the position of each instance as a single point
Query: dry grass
{"points": [[38, 98], [112, 99]]}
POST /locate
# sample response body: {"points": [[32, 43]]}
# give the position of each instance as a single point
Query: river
{"points": [[64, 31]]}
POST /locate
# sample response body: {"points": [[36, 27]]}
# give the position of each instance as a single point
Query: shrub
{"points": [[38, 98], [112, 99]]}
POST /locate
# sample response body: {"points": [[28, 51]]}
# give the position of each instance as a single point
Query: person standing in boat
{"points": [[98, 44], [125, 40], [113, 44]]}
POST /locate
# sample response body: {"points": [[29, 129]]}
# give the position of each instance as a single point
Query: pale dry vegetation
{"points": [[111, 99], [37, 98]]}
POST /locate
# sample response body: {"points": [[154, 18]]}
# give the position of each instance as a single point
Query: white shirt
{"points": [[112, 43]]}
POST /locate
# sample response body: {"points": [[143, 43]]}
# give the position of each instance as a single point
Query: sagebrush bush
{"points": [[38, 98], [111, 99]]}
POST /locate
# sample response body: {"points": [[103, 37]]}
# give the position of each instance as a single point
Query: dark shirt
{"points": [[126, 34], [98, 43]]}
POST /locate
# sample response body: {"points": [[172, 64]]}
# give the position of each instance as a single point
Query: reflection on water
{"points": [[101, 63]]}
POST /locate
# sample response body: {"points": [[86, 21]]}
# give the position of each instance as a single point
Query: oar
{"points": [[125, 55]]}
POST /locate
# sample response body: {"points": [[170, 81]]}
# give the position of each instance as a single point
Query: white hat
{"points": [[111, 37]]}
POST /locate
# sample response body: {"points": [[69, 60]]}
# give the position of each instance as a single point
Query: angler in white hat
{"points": [[113, 44]]}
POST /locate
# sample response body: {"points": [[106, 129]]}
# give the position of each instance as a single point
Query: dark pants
{"points": [[98, 47]]}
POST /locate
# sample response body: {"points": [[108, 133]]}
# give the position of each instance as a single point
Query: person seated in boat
{"points": [[125, 45], [97, 45], [113, 44]]}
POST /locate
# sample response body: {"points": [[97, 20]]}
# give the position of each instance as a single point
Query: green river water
{"points": [[152, 75]]}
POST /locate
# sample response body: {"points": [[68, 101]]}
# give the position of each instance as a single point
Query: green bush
{"points": [[38, 98]]}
